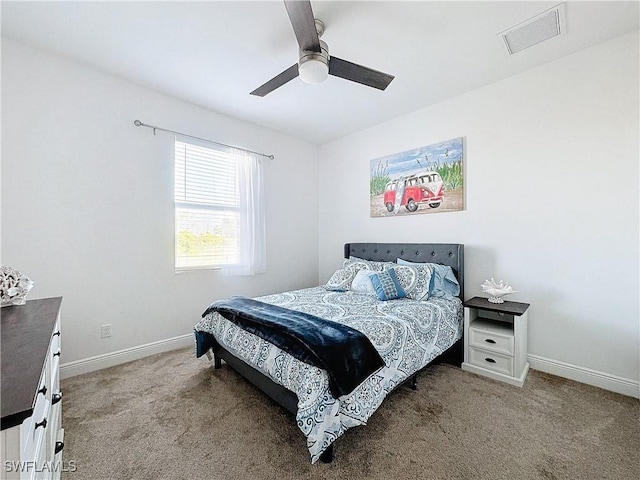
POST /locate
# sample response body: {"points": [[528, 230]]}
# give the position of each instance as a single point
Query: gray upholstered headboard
{"points": [[451, 254]]}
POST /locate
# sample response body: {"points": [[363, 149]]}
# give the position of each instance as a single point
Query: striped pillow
{"points": [[415, 280], [387, 285]]}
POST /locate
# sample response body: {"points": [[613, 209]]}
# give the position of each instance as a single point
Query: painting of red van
{"points": [[424, 180], [426, 188]]}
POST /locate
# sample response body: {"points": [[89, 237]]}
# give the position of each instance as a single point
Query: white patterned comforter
{"points": [[408, 334]]}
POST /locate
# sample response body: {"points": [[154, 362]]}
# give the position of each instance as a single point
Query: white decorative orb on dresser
{"points": [[495, 340], [32, 434]]}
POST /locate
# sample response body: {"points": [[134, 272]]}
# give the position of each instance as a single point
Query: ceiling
{"points": [[214, 53]]}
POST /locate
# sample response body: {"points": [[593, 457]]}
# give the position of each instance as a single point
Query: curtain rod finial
{"points": [[137, 123]]}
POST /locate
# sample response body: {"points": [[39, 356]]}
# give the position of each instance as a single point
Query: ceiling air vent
{"points": [[544, 26]]}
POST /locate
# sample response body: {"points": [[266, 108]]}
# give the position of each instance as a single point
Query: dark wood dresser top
{"points": [[512, 308], [26, 332]]}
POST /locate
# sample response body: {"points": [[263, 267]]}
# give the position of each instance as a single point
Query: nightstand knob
{"points": [[490, 360], [42, 424], [489, 340]]}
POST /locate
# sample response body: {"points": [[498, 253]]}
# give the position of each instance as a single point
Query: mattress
{"points": [[408, 334]]}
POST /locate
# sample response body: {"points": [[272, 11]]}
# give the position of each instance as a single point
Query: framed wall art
{"points": [[428, 179]]}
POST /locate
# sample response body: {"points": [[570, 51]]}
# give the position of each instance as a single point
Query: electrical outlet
{"points": [[105, 330]]}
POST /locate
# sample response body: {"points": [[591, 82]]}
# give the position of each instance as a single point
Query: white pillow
{"points": [[362, 282]]}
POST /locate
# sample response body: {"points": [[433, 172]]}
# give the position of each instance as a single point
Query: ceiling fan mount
{"points": [[314, 63], [319, 26]]}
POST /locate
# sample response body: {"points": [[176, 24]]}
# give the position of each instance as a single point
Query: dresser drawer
{"points": [[34, 430], [491, 361], [492, 339], [54, 355]]}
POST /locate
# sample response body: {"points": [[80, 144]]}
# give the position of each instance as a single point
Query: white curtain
{"points": [[252, 237]]}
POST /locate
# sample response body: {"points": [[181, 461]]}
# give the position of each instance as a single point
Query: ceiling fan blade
{"points": [[277, 81], [358, 73], [304, 25]]}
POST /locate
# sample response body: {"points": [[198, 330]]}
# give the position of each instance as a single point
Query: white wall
{"points": [[87, 202], [552, 203]]}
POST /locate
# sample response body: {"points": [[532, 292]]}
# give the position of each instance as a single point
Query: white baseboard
{"points": [[91, 364], [607, 381]]}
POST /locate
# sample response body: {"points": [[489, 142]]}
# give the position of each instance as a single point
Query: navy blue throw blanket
{"points": [[345, 353]]}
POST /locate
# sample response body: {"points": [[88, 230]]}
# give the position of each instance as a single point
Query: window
{"points": [[219, 217], [207, 207]]}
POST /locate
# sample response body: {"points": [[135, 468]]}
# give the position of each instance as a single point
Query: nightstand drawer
{"points": [[491, 339], [491, 361]]}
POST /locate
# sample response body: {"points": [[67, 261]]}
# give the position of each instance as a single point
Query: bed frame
{"points": [[451, 254]]}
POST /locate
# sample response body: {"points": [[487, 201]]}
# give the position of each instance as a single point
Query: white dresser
{"points": [[495, 340], [32, 434]]}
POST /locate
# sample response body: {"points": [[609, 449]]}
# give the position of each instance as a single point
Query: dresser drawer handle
{"points": [[42, 424], [58, 448], [490, 360], [57, 333], [489, 340], [56, 397], [57, 354], [43, 390]]}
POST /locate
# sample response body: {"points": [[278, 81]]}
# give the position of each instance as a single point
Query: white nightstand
{"points": [[495, 340]]}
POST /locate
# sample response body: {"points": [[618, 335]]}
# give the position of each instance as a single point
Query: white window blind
{"points": [[207, 207]]}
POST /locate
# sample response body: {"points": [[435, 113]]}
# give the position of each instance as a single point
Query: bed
{"points": [[407, 334]]}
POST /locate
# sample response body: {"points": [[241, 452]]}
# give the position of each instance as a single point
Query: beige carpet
{"points": [[171, 416]]}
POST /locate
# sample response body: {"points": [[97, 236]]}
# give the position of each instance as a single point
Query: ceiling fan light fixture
{"points": [[313, 67], [313, 70]]}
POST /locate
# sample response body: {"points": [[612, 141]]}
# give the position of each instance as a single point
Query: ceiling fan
{"points": [[314, 63]]}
